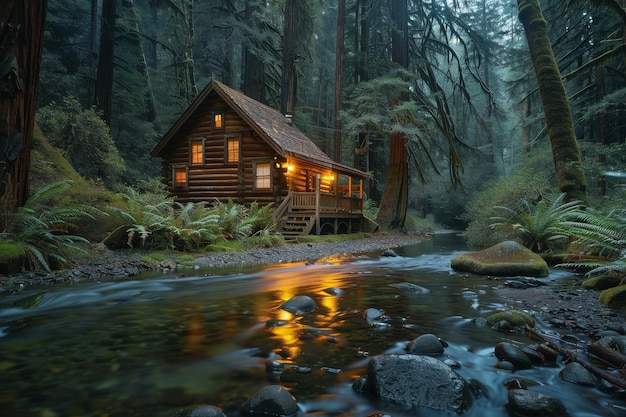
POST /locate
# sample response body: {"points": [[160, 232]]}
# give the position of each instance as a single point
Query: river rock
{"points": [[576, 373], [426, 344], [200, 411], [372, 314], [410, 288], [524, 403], [270, 401], [614, 298], [504, 259], [390, 253], [601, 282], [299, 305], [515, 318], [506, 351], [416, 380]]}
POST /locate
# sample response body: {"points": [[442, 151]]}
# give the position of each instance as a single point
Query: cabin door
{"points": [[311, 182]]}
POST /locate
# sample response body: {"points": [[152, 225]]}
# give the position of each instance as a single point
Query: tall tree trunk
{"points": [[104, 79], [341, 23], [254, 68], [565, 152], [601, 126], [289, 76], [151, 111], [393, 207], [21, 46]]}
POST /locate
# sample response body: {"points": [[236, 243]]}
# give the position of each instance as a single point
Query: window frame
{"points": [[222, 117], [175, 170], [191, 151], [227, 140], [256, 176]]}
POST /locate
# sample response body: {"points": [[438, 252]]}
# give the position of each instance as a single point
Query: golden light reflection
{"points": [[315, 327]]}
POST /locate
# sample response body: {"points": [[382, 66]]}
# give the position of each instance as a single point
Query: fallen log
{"points": [[618, 382], [612, 356]]}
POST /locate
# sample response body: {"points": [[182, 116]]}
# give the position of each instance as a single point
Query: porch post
{"points": [[317, 204]]}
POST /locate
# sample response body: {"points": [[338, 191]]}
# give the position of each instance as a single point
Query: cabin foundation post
{"points": [[318, 226]]}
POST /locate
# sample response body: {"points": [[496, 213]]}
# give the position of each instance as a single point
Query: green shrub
{"points": [[530, 181], [83, 138]]}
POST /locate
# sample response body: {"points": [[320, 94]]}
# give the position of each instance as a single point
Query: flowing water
{"points": [[149, 346]]}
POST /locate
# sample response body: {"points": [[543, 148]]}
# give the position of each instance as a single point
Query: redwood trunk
{"points": [[21, 46], [289, 80], [341, 21], [393, 207]]}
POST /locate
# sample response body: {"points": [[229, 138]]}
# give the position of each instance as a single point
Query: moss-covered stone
{"points": [[504, 259], [12, 257], [601, 282], [614, 298], [516, 318]]}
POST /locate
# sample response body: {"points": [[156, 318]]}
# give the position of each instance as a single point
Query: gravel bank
{"points": [[122, 264]]}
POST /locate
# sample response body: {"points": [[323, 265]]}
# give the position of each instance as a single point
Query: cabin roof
{"points": [[284, 137]]}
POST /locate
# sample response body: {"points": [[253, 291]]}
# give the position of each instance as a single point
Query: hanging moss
{"points": [[565, 152]]}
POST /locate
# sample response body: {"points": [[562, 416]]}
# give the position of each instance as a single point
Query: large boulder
{"points": [[614, 298], [504, 259], [416, 380]]}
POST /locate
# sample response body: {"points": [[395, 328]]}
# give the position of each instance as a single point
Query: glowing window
{"points": [[262, 176], [218, 120], [180, 176], [197, 151], [232, 150]]}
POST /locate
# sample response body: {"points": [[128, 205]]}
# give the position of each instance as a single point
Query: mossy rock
{"points": [[516, 318], [601, 282], [504, 259], [614, 298], [12, 257]]}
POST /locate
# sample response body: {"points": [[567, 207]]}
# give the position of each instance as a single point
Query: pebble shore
{"points": [[122, 264]]}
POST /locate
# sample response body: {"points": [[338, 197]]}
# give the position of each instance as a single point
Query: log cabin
{"points": [[228, 147]]}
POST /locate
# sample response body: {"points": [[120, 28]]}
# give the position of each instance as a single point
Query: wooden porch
{"points": [[303, 213]]}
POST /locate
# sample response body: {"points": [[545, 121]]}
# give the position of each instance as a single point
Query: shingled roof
{"points": [[269, 123]]}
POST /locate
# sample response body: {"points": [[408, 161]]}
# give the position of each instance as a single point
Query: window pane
{"points": [[218, 121], [233, 150], [263, 176], [180, 176], [196, 152]]}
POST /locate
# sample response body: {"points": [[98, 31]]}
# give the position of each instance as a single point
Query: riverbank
{"points": [[109, 265], [575, 308]]}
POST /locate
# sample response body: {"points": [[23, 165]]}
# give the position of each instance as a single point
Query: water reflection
{"points": [[147, 347]]}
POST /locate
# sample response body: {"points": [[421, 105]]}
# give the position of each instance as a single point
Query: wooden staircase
{"points": [[296, 224]]}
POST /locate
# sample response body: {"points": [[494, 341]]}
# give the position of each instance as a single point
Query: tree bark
{"points": [[393, 206], [106, 57], [341, 22], [289, 77], [21, 46], [565, 152], [254, 68]]}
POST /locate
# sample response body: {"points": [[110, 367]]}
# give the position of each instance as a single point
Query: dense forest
{"points": [[459, 91]]}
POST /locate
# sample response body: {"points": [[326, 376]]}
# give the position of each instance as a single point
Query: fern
{"points": [[539, 227], [42, 226], [600, 236]]}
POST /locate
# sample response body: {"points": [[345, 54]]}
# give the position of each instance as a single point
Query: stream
{"points": [[153, 344]]}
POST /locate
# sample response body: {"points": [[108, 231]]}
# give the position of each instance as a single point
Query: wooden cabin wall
{"points": [[216, 179], [302, 176]]}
